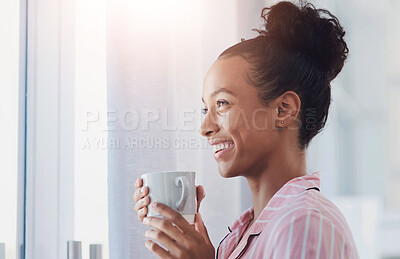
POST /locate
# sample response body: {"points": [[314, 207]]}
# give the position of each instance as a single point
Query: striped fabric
{"points": [[298, 222]]}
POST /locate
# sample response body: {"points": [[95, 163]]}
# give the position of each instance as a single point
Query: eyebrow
{"points": [[220, 90]]}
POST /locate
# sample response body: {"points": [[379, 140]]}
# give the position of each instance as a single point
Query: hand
{"points": [[142, 200], [181, 239]]}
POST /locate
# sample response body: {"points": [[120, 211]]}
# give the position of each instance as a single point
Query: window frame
{"points": [[21, 149], [49, 150]]}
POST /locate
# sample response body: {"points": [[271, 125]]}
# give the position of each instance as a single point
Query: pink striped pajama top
{"points": [[298, 222]]}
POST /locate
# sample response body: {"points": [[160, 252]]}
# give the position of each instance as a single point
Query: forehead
{"points": [[229, 73]]}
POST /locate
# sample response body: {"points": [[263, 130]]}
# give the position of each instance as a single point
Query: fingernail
{"points": [[142, 190], [155, 204], [147, 243], [146, 221]]}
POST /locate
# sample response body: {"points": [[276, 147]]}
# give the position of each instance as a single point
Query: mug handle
{"points": [[182, 181]]}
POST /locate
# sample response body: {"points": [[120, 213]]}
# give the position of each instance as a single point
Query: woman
{"points": [[265, 99]]}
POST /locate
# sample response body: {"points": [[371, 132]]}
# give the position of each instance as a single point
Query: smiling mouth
{"points": [[222, 146], [222, 149]]}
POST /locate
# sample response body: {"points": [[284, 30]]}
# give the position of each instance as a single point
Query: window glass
{"points": [[9, 65], [91, 207]]}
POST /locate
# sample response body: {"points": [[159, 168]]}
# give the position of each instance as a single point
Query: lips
{"points": [[215, 141], [221, 153], [221, 146]]}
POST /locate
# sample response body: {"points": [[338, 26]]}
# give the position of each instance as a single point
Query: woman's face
{"points": [[236, 121]]}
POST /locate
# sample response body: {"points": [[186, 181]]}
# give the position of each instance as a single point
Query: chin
{"points": [[226, 172]]}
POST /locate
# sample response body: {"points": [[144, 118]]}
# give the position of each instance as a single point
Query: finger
{"points": [[158, 250], [140, 193], [200, 193], [138, 183], [142, 213], [163, 239], [142, 203], [172, 216], [201, 228], [164, 226]]}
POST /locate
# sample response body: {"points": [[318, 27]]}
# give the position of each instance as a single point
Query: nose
{"points": [[209, 125]]}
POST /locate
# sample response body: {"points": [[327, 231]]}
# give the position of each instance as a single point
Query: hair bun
{"points": [[314, 32]]}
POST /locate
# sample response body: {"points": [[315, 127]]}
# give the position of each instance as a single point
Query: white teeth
{"points": [[221, 146]]}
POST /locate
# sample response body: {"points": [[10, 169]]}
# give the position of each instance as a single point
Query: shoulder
{"points": [[311, 224], [312, 207]]}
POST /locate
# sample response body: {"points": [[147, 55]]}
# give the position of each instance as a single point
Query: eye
{"points": [[221, 102]]}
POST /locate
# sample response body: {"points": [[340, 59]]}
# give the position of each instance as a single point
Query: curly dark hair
{"points": [[302, 50]]}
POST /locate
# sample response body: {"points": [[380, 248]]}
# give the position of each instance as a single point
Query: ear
{"points": [[287, 110]]}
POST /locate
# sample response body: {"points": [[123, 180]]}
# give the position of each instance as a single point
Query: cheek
{"points": [[254, 139], [262, 119], [250, 119], [237, 120], [251, 131], [258, 138]]}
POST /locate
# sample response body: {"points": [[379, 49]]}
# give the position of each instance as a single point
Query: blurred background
{"points": [[96, 93]]}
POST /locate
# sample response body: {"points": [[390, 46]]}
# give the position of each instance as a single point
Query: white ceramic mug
{"points": [[176, 189]]}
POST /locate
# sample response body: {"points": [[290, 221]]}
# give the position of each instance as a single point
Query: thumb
{"points": [[200, 227], [200, 195]]}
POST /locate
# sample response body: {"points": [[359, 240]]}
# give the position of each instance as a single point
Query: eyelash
{"points": [[219, 103]]}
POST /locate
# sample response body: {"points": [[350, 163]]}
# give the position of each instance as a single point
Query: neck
{"points": [[266, 182]]}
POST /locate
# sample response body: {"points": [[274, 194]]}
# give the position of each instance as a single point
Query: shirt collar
{"points": [[282, 198]]}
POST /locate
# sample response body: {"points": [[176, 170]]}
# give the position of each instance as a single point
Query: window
{"points": [[90, 178], [11, 181]]}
